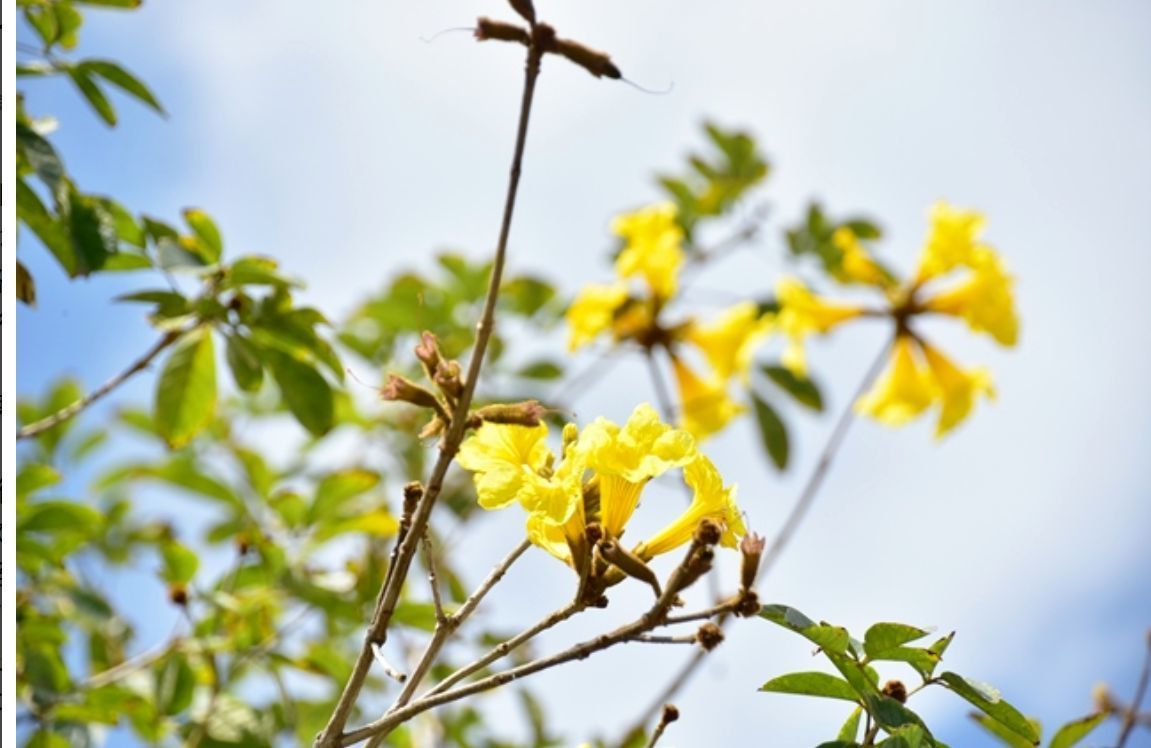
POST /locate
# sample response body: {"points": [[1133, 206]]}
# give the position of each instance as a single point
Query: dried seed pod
{"points": [[629, 563], [595, 62], [398, 388], [709, 636], [525, 8], [527, 413], [751, 551], [487, 29]]}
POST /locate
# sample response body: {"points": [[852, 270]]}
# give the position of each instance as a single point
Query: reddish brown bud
{"points": [[527, 413], [428, 352], [894, 689], [487, 29], [707, 532], [398, 388], [525, 8], [434, 427], [595, 62], [709, 636], [748, 604], [413, 492], [594, 532], [447, 378], [751, 550], [629, 563], [178, 594], [670, 714]]}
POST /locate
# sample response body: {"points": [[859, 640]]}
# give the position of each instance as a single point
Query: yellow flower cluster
{"points": [[918, 374], [599, 480], [653, 250]]}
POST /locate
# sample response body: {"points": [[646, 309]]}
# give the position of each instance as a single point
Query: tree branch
{"points": [[70, 411]]}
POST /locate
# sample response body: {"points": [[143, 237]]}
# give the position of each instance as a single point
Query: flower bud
{"points": [[670, 714], [629, 563], [525, 8], [709, 636], [707, 532], [894, 689], [527, 413], [398, 388], [751, 551], [595, 62], [487, 29], [428, 352], [447, 378], [178, 594]]}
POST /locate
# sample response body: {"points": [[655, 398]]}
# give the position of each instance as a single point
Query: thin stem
{"points": [[648, 621], [803, 502], [662, 393], [1132, 715], [446, 626], [433, 581], [38, 427], [506, 647], [652, 639], [390, 592], [670, 714]]}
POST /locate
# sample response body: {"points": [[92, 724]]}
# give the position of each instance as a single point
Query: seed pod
{"points": [[527, 413], [894, 689], [751, 551], [487, 29], [709, 636], [525, 8], [595, 62], [629, 563]]}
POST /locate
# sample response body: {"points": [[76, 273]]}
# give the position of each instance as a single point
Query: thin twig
{"points": [[1132, 715], [670, 714], [433, 581], [390, 592], [652, 639], [653, 618], [69, 411], [791, 524], [662, 393], [506, 647]]}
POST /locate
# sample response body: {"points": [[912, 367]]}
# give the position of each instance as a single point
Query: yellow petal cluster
{"points": [[909, 387], [985, 300], [504, 458], [705, 406], [858, 266], [729, 342], [653, 247], [592, 312], [710, 500], [951, 241], [803, 313]]}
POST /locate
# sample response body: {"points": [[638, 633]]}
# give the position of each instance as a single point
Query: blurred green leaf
{"points": [[908, 736], [1073, 732], [891, 715], [812, 684], [180, 562], [186, 392], [988, 700], [175, 684], [244, 363], [305, 392], [206, 231], [1002, 734], [772, 432], [33, 477], [91, 91], [53, 516], [803, 389], [118, 76], [335, 489], [542, 369], [92, 230], [850, 730]]}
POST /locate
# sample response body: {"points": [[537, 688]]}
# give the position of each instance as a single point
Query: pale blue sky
{"points": [[342, 144]]}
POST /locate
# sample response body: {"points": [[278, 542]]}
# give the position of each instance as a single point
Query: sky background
{"points": [[342, 144]]}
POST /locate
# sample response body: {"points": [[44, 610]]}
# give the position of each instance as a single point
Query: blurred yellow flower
{"points": [[504, 457], [802, 313], [592, 312], [985, 299], [957, 389], [858, 265], [710, 500], [653, 247], [624, 459], [729, 342], [904, 390], [951, 242], [705, 407]]}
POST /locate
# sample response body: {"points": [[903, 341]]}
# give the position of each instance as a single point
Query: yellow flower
{"points": [[985, 300], [559, 524], [653, 247], [504, 458], [957, 389], [951, 242], [592, 312], [730, 341], [903, 392], [711, 500], [624, 459], [705, 406], [802, 313], [858, 266]]}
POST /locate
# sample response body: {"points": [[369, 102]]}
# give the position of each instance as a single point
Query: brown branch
{"points": [[398, 572], [1132, 714], [70, 411]]}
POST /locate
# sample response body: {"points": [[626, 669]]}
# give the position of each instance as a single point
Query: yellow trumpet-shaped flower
{"points": [[624, 459], [858, 266], [957, 389], [802, 313], [985, 299], [705, 407], [711, 500], [504, 458], [653, 247], [592, 312], [729, 342], [559, 523], [903, 392], [951, 242]]}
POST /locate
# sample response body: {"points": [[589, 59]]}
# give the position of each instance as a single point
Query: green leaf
{"points": [[416, 615], [186, 392], [1004, 736], [110, 3], [812, 684], [25, 285], [206, 231], [127, 228], [988, 701], [829, 638], [118, 76], [908, 736], [93, 232], [244, 362], [41, 156], [175, 685], [33, 477], [255, 270], [542, 369], [91, 91], [47, 739], [54, 516], [45, 226], [850, 730], [305, 392], [525, 295], [772, 432], [891, 715], [923, 660], [884, 636], [337, 488], [180, 562], [1074, 731], [801, 388]]}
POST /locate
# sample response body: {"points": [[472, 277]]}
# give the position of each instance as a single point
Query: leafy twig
{"points": [[37, 427]]}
